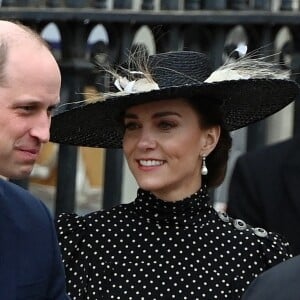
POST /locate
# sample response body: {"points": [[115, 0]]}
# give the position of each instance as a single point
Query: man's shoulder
{"points": [[9, 189], [284, 279], [18, 202]]}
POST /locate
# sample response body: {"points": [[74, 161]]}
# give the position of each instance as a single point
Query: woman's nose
{"points": [[146, 140]]}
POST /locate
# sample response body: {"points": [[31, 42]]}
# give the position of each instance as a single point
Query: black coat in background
{"points": [[281, 282], [265, 190]]}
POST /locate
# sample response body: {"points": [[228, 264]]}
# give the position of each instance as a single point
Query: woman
{"points": [[172, 117]]}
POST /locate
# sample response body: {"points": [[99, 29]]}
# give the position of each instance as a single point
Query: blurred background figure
{"points": [[278, 283], [265, 188]]}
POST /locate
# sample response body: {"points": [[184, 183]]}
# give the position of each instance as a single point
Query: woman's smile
{"points": [[150, 162]]}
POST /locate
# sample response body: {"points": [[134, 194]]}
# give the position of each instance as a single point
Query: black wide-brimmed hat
{"points": [[247, 91]]}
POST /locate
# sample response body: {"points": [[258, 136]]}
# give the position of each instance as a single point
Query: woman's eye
{"points": [[166, 125], [131, 126]]}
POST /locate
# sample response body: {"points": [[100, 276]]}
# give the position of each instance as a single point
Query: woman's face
{"points": [[163, 144]]}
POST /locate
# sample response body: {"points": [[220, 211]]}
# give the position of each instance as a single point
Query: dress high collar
{"points": [[184, 211]]}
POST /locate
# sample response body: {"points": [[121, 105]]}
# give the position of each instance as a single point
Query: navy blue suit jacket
{"points": [[281, 282], [30, 262]]}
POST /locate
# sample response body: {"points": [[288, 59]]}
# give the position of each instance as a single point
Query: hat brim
{"points": [[243, 102]]}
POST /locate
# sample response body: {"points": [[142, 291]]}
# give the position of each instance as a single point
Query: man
{"points": [[265, 189], [30, 264], [281, 282]]}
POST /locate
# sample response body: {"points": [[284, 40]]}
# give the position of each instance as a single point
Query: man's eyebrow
{"points": [[27, 101], [24, 102], [30, 102]]}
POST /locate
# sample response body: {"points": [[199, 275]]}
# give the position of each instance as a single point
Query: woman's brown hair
{"points": [[210, 114]]}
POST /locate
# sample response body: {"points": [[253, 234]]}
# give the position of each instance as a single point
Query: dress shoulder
{"points": [[76, 234], [71, 231], [78, 238], [271, 247]]}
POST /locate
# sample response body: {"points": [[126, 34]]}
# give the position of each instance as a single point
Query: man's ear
{"points": [[210, 140]]}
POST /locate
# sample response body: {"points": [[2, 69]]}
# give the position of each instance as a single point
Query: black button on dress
{"points": [[151, 249]]}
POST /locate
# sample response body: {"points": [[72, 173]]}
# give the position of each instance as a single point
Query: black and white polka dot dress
{"points": [[151, 249]]}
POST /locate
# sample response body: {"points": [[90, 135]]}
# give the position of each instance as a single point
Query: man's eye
{"points": [[51, 110], [26, 108]]}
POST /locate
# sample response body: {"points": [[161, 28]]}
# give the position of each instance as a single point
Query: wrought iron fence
{"points": [[209, 26]]}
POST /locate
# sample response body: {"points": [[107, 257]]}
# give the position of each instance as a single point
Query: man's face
{"points": [[27, 97]]}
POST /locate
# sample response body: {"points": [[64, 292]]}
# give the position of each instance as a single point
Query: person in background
{"points": [[264, 189], [172, 116], [30, 260], [278, 283]]}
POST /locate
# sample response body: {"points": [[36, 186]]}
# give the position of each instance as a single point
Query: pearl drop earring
{"points": [[204, 170]]}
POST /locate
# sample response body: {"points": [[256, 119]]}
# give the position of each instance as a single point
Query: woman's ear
{"points": [[210, 139]]}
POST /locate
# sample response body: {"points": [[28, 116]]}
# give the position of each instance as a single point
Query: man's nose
{"points": [[41, 128]]}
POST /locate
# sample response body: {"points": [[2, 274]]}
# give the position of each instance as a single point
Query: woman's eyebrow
{"points": [[166, 113], [155, 115]]}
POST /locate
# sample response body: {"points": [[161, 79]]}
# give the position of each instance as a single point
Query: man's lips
{"points": [[29, 153], [32, 151]]}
